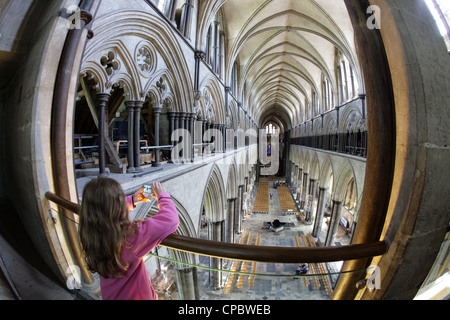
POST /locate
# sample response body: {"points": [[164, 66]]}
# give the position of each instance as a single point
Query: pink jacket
{"points": [[136, 283]]}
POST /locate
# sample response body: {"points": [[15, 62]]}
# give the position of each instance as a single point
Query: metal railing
{"points": [[268, 254]]}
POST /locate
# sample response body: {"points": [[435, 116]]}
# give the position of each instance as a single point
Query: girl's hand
{"points": [[139, 195], [157, 188]]}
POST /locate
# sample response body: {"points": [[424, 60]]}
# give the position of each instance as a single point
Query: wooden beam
{"points": [[117, 165]]}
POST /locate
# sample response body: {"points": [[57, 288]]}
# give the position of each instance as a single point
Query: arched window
{"points": [[215, 47], [178, 12], [233, 83], [184, 13], [350, 196], [327, 95], [162, 5], [346, 79], [272, 128]]}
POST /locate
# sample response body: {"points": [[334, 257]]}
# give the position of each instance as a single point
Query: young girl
{"points": [[114, 246]]}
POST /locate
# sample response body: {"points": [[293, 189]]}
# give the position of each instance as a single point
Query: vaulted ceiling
{"points": [[284, 48]]}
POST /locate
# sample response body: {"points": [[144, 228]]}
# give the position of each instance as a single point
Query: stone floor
{"points": [[280, 285]]}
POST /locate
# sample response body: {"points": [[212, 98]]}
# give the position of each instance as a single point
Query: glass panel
{"points": [[224, 279], [248, 280]]}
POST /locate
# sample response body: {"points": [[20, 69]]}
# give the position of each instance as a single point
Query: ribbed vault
{"points": [[285, 50]]}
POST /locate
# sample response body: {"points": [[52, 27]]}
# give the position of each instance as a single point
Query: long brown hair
{"points": [[104, 225]]}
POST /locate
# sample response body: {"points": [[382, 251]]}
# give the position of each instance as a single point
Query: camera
{"points": [[146, 195]]}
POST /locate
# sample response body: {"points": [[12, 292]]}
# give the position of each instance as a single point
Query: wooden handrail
{"points": [[268, 254], [69, 205], [273, 254]]}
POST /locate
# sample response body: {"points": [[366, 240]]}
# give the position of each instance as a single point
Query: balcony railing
{"points": [[348, 143], [269, 254]]}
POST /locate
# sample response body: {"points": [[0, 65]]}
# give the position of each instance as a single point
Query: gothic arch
{"points": [[240, 167], [299, 161], [326, 171], [161, 88], [253, 152], [214, 198], [330, 124], [306, 162], [112, 63], [314, 171], [350, 119], [247, 162], [232, 114], [144, 35], [309, 129], [207, 12], [213, 100], [317, 127], [93, 71], [232, 183], [293, 156], [343, 176]]}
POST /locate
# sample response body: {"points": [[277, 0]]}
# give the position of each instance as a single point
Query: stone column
{"points": [[156, 113], [294, 172], [218, 141], [187, 115], [336, 214], [215, 231], [182, 125], [102, 100], [197, 137], [187, 283], [187, 142], [176, 118], [214, 45], [245, 184], [192, 117], [224, 137], [238, 216], [186, 18], [363, 105], [300, 183], [130, 142], [231, 209], [181, 120], [304, 190], [204, 126], [319, 213], [310, 199], [199, 56], [137, 135], [171, 116], [172, 11]]}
